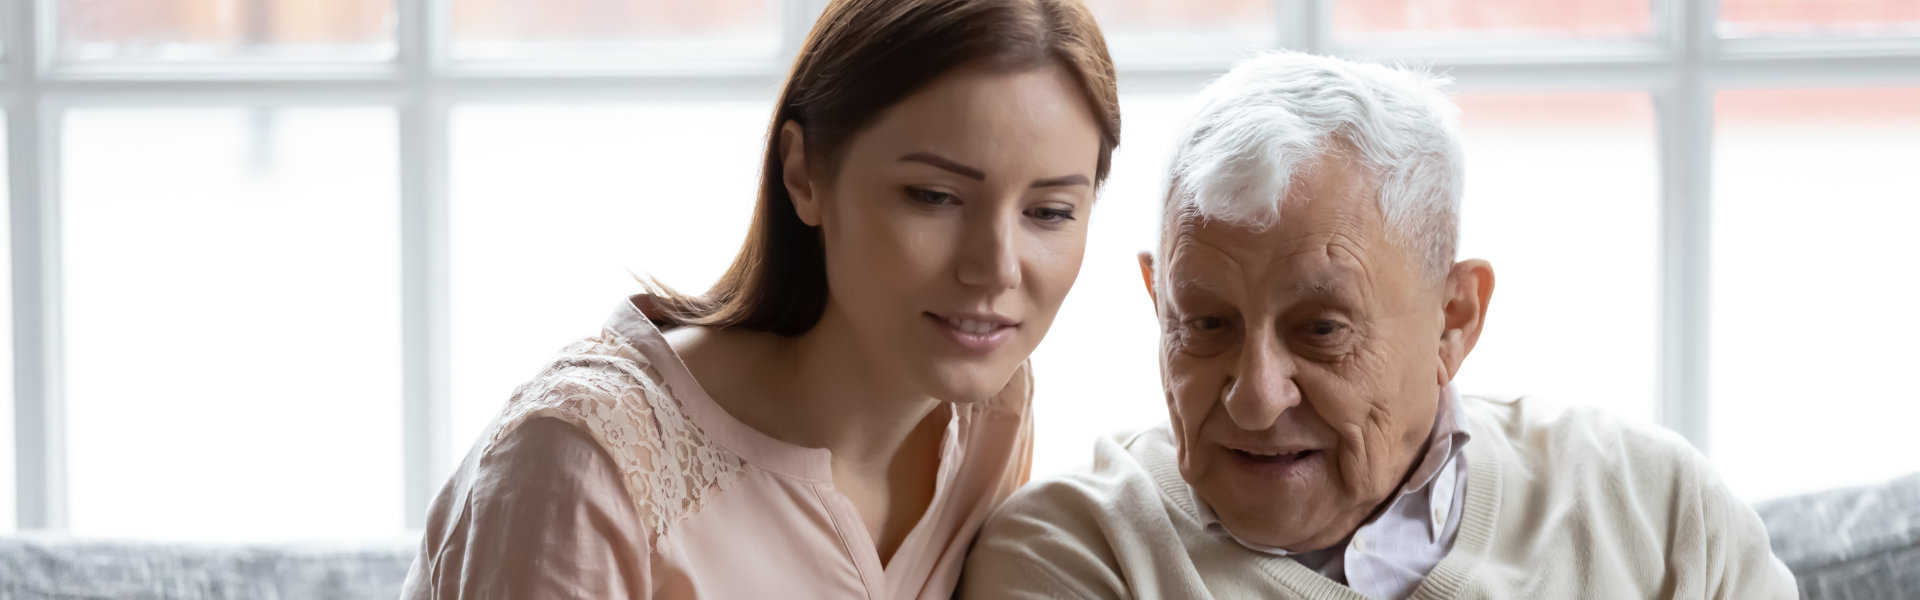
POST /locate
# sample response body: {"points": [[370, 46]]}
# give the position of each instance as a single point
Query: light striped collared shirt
{"points": [[1388, 557]]}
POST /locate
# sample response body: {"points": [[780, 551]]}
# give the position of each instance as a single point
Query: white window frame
{"points": [[1680, 68]]}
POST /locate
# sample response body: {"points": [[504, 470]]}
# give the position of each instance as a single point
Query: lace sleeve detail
{"points": [[614, 394]]}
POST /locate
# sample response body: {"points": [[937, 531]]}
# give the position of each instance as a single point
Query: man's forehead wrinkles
{"points": [[1303, 270], [1184, 268], [1344, 251]]}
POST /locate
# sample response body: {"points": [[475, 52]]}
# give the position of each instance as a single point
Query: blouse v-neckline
{"points": [[811, 465]]}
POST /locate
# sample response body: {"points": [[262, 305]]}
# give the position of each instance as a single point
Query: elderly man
{"points": [[1313, 316]]}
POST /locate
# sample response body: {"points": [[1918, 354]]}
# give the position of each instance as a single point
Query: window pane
{"points": [[554, 206], [1147, 28], [1098, 371], [1563, 198], [1788, 18], [600, 29], [1814, 288], [1455, 21], [233, 334], [91, 30], [9, 514]]}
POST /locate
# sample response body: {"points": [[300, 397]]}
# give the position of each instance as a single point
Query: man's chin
{"points": [[1292, 526], [1292, 537]]}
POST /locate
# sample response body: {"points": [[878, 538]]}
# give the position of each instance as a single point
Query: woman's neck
{"points": [[821, 389]]}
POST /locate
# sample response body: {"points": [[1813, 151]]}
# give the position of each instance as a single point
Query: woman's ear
{"points": [[793, 173]]}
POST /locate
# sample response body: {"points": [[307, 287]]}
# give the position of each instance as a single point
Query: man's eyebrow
{"points": [[1317, 287], [947, 164], [1191, 284], [1324, 284]]}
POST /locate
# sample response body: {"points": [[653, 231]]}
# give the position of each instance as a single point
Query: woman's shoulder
{"points": [[614, 394]]}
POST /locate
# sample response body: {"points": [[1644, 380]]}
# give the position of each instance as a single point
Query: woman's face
{"points": [[955, 224]]}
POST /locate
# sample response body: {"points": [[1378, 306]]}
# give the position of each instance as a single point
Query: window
{"points": [[258, 249], [205, 30], [7, 509], [1456, 21], [1163, 30], [595, 30], [1814, 18], [1814, 287], [1563, 199], [408, 205], [555, 209]]}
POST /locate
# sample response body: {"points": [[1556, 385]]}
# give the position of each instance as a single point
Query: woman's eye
{"points": [[1207, 323], [931, 197], [1051, 215]]}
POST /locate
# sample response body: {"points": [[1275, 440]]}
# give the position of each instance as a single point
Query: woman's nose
{"points": [[989, 257]]}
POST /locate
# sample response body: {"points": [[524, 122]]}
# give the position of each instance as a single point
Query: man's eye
{"points": [[930, 197], [1206, 336], [1327, 333]]}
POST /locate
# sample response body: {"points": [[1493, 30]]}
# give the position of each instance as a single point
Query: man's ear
{"points": [[793, 173], [1469, 289], [1146, 276]]}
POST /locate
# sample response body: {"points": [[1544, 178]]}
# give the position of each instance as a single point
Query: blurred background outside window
{"points": [[276, 257]]}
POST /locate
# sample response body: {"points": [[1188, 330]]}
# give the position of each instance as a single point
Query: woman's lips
{"points": [[975, 334]]}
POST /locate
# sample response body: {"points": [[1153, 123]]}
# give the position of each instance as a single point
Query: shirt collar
{"points": [[1439, 469], [1435, 474]]}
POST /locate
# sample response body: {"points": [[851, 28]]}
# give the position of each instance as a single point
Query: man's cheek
{"points": [[1189, 399]]}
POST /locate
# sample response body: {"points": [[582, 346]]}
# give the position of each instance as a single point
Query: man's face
{"points": [[1304, 363]]}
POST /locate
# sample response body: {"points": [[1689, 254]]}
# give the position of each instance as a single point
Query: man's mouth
{"points": [[1275, 457]]}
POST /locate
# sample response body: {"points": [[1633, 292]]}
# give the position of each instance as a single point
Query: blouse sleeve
{"points": [[545, 516]]}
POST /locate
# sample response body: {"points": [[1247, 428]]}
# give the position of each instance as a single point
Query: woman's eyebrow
{"points": [[955, 167], [1061, 181], [947, 164]]}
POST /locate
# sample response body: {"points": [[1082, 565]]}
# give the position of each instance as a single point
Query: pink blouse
{"points": [[612, 475]]}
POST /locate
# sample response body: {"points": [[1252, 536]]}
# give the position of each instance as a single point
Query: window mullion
{"points": [[796, 20], [424, 287], [39, 406], [1686, 132]]}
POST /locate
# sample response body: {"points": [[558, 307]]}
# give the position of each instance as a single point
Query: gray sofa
{"points": [[35, 567], [1849, 544]]}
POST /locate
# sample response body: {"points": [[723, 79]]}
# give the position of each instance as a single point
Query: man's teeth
{"points": [[1271, 454], [972, 326]]}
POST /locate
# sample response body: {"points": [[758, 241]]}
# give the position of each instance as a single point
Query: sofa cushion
{"points": [[1853, 543], [50, 566]]}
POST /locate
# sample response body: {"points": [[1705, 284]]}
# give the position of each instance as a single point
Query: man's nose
{"points": [[988, 255], [1263, 386]]}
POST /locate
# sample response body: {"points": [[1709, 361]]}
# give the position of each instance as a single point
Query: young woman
{"points": [[838, 415]]}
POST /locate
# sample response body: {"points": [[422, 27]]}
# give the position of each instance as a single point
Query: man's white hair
{"points": [[1267, 121]]}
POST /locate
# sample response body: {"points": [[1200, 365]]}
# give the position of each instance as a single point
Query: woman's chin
{"points": [[969, 383]]}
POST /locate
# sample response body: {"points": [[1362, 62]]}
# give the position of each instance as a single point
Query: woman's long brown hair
{"points": [[862, 57]]}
